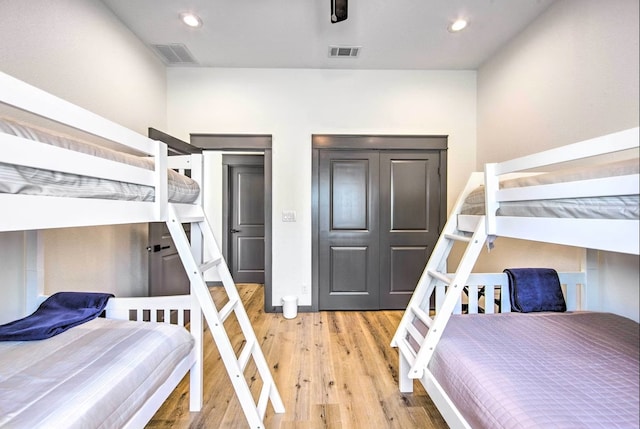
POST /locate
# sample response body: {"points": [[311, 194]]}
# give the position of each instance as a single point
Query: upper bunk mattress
{"points": [[609, 207], [96, 375], [32, 181], [560, 370]]}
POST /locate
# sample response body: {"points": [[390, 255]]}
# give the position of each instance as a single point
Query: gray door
{"points": [[348, 227], [166, 272], [246, 223], [378, 222], [409, 221]]}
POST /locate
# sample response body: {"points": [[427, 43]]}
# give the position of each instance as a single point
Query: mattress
{"points": [[32, 181], [542, 370], [96, 375], [609, 207]]}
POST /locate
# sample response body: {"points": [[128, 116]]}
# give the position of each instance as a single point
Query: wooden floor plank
{"points": [[334, 370]]}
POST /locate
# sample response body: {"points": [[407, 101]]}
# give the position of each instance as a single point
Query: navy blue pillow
{"points": [[535, 289]]}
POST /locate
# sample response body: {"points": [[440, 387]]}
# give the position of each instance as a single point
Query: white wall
{"points": [[571, 75], [293, 104], [78, 50]]}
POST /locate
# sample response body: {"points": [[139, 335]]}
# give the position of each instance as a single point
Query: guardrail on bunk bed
{"points": [[489, 293], [66, 211], [613, 180]]}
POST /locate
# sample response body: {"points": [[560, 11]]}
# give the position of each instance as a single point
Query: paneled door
{"points": [[409, 221], [349, 234], [246, 223], [379, 219]]}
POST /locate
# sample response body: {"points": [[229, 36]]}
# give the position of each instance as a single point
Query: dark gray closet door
{"points": [[348, 230], [409, 220]]}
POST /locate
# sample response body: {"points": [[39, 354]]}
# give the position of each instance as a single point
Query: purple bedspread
{"points": [[541, 370]]}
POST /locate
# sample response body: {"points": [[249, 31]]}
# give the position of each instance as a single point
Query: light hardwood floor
{"points": [[333, 370]]}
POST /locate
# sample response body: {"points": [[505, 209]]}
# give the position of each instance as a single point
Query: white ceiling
{"points": [[393, 34]]}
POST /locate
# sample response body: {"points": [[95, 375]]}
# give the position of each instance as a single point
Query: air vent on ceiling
{"points": [[344, 51], [175, 54]]}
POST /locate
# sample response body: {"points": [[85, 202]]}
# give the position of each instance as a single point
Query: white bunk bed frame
{"points": [[33, 212], [416, 349]]}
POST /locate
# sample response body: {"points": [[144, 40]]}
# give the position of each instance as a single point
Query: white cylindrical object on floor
{"points": [[289, 306]]}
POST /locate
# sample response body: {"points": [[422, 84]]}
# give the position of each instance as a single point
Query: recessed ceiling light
{"points": [[191, 19], [458, 25]]}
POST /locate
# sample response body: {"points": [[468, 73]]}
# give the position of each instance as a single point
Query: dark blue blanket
{"points": [[535, 289], [59, 312]]}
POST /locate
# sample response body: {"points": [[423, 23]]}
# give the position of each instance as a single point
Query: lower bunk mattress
{"points": [[541, 370], [96, 375]]}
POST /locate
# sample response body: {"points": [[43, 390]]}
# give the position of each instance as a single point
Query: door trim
{"points": [[248, 143], [360, 142]]}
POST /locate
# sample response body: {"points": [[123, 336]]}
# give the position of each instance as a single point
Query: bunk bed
{"points": [[496, 367], [63, 166]]}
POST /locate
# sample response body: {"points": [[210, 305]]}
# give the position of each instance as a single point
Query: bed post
{"points": [[491, 187], [405, 383], [160, 172], [196, 328], [34, 270], [590, 266]]}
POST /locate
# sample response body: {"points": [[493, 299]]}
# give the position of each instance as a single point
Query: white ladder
{"points": [[191, 255], [408, 335]]}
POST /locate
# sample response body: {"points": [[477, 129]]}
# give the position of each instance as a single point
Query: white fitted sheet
{"points": [[96, 375], [32, 181]]}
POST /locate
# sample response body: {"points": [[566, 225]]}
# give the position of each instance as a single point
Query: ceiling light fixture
{"points": [[191, 19], [458, 25]]}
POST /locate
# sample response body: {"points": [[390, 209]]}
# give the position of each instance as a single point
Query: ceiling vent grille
{"points": [[344, 51], [175, 54]]}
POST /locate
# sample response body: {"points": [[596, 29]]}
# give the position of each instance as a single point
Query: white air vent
{"points": [[344, 51], [175, 54]]}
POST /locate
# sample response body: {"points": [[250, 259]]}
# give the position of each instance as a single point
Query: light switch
{"points": [[288, 216]]}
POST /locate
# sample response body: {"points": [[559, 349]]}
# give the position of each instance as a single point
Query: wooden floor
{"points": [[333, 370]]}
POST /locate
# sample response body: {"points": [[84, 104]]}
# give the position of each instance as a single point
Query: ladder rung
{"points": [[407, 351], [246, 354], [227, 309], [264, 397], [190, 219], [422, 315], [458, 237], [438, 275], [415, 333], [210, 264]]}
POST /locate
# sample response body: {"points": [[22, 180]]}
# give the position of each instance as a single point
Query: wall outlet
{"points": [[305, 289]]}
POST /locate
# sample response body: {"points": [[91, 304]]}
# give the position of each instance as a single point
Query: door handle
{"points": [[233, 230], [156, 248]]}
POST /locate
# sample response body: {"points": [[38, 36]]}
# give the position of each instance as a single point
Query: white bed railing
{"points": [[611, 143], [602, 234], [489, 293], [61, 211]]}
